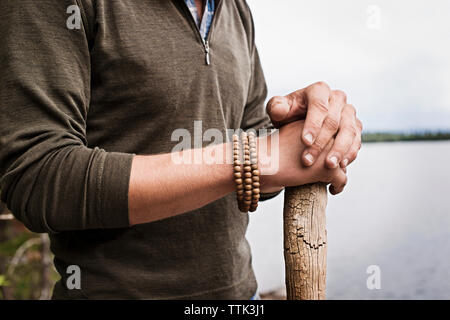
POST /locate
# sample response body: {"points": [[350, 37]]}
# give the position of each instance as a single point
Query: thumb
{"points": [[278, 108]]}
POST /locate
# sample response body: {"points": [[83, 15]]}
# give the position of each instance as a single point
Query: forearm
{"points": [[161, 188]]}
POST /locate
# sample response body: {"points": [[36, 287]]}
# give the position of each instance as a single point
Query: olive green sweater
{"points": [[77, 104]]}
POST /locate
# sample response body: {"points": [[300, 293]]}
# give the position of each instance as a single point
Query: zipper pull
{"points": [[206, 45]]}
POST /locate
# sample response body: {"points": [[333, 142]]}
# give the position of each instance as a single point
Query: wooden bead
{"points": [[245, 164]]}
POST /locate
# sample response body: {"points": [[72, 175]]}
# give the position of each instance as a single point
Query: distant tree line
{"points": [[416, 136]]}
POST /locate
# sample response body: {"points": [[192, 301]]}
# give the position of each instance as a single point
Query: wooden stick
{"points": [[305, 241]]}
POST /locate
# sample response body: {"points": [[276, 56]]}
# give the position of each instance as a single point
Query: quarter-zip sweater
{"points": [[78, 103]]}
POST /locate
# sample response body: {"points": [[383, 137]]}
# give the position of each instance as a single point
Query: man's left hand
{"points": [[326, 115]]}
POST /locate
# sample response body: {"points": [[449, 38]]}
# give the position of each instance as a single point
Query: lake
{"points": [[394, 213]]}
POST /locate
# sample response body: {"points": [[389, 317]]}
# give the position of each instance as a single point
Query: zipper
{"points": [[206, 46], [206, 42]]}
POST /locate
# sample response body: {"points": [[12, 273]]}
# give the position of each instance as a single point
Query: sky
{"points": [[392, 58]]}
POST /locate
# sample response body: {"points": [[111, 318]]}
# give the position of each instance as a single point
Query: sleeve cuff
{"points": [[114, 184]]}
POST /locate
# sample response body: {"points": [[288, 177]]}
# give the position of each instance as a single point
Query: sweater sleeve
{"points": [[49, 178], [255, 115]]}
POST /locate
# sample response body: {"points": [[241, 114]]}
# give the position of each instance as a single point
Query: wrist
{"points": [[268, 162]]}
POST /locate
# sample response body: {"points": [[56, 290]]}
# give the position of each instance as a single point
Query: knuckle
{"points": [[277, 99], [351, 131], [321, 105], [352, 155], [318, 145], [351, 108], [315, 124], [274, 101], [339, 94], [344, 182], [322, 84], [359, 124], [331, 124]]}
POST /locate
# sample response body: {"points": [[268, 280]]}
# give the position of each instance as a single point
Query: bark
{"points": [[305, 242]]}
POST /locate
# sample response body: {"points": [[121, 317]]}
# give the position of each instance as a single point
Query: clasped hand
{"points": [[319, 137]]}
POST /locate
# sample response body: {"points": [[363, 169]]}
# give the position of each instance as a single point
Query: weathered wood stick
{"points": [[305, 241]]}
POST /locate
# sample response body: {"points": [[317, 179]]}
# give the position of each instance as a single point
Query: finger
{"points": [[338, 183], [345, 136], [329, 128], [277, 108], [317, 100], [283, 110], [352, 153]]}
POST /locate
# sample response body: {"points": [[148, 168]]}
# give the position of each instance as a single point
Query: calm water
{"points": [[395, 213]]}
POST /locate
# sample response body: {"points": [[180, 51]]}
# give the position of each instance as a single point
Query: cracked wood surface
{"points": [[305, 241]]}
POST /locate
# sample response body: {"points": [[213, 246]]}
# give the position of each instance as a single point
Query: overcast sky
{"points": [[392, 57]]}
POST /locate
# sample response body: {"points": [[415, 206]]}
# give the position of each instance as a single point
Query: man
{"points": [[86, 139]]}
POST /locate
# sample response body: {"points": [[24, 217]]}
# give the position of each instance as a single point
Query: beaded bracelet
{"points": [[246, 173], [255, 171]]}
